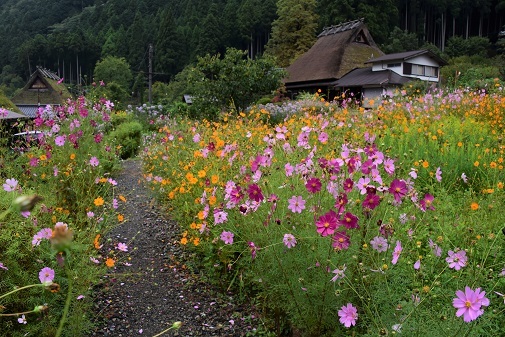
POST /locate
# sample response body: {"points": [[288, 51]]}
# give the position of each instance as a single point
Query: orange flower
{"points": [[196, 241], [202, 173], [120, 217], [214, 179], [192, 226], [425, 164], [476, 163], [474, 206], [110, 262], [72, 156], [96, 242], [492, 165], [122, 198], [99, 201], [499, 185], [184, 241]]}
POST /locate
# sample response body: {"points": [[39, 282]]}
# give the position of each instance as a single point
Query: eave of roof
{"points": [[362, 77], [408, 55]]}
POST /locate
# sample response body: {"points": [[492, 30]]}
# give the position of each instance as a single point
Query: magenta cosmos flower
{"points": [[349, 220], [348, 315], [341, 240], [469, 303], [426, 203], [327, 223], [371, 201], [296, 204], [398, 189], [254, 192], [313, 185]]}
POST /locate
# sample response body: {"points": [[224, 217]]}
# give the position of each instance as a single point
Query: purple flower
{"points": [[397, 251], [379, 243], [254, 192], [2, 266], [22, 319], [398, 189], [227, 237], [389, 166], [348, 315], [469, 303], [349, 221], [253, 249], [341, 240], [289, 240], [456, 260], [296, 204], [427, 202], [437, 251], [371, 201], [220, 216], [46, 276], [10, 185], [313, 185]]}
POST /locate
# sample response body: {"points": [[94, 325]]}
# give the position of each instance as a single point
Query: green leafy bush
{"points": [[128, 137]]}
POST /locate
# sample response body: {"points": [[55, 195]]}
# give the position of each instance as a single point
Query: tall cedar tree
{"points": [[294, 31]]}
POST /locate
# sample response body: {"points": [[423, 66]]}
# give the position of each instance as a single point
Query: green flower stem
{"points": [[18, 289], [4, 214], [67, 304], [18, 313], [176, 325]]}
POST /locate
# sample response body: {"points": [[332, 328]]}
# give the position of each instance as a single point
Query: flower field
{"points": [[329, 219], [342, 221]]}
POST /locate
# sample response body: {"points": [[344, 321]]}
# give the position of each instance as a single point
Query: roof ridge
{"points": [[341, 27]]}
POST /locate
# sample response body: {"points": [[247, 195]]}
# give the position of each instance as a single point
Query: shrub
{"points": [[128, 137]]}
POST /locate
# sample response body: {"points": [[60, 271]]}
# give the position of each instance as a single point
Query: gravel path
{"points": [[157, 290]]}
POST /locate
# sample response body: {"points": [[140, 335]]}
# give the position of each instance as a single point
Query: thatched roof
{"points": [[338, 50], [44, 87]]}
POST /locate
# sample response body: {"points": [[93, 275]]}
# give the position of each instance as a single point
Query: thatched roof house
{"points": [[43, 88], [338, 50]]}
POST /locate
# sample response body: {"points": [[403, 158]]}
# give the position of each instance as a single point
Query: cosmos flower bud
{"points": [[177, 325], [40, 308], [26, 203]]}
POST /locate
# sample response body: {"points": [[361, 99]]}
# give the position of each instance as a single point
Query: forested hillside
{"points": [[70, 36]]}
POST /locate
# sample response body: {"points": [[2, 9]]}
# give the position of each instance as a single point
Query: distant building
{"points": [[389, 72], [338, 50], [43, 88]]}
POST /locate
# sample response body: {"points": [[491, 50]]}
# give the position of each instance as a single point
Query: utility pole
{"points": [[150, 73]]}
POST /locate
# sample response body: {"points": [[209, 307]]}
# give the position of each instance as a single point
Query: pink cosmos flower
{"points": [[339, 273], [397, 251], [348, 184], [379, 243], [22, 319], [60, 140], [438, 174], [289, 169], [313, 185], [426, 203], [227, 237], [348, 315], [417, 265], [464, 178], [456, 260], [341, 202], [2, 266], [327, 223], [469, 303], [46, 276], [220, 216], [349, 221], [94, 161], [254, 192], [398, 189], [236, 195], [437, 251], [341, 240], [253, 249], [122, 247], [296, 204], [389, 166], [10, 185], [289, 240], [362, 184]]}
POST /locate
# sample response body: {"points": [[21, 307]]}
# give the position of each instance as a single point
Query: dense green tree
{"points": [[231, 82], [168, 49], [400, 41], [294, 31], [113, 69], [210, 38]]}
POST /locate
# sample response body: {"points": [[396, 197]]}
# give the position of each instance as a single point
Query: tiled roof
{"points": [[362, 77], [408, 55]]}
